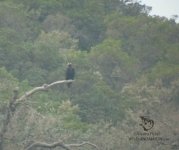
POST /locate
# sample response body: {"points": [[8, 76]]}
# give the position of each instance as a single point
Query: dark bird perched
{"points": [[70, 74]]}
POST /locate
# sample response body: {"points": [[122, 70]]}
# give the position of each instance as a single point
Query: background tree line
{"points": [[127, 65]]}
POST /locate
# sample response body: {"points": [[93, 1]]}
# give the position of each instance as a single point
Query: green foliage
{"points": [[7, 85], [143, 37], [69, 116], [164, 71], [58, 22], [172, 54], [15, 17], [115, 65], [56, 40], [126, 65]]}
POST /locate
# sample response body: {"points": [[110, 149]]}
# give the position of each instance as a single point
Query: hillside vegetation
{"points": [[126, 62]]}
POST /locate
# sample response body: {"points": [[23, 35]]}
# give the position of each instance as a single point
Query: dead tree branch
{"points": [[15, 100], [41, 88], [60, 144]]}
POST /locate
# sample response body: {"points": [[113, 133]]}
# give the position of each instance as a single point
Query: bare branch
{"points": [[12, 107], [41, 88], [45, 145], [60, 144], [84, 143]]}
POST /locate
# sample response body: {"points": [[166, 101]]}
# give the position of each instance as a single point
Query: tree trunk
{"points": [[15, 101]]}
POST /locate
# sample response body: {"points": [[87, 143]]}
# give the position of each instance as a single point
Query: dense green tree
{"points": [[115, 65]]}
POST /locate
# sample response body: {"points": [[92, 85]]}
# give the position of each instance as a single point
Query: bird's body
{"points": [[70, 74]]}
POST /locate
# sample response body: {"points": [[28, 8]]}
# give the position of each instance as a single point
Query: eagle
{"points": [[70, 74]]}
